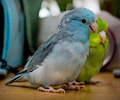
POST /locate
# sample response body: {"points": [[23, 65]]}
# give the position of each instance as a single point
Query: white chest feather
{"points": [[62, 65]]}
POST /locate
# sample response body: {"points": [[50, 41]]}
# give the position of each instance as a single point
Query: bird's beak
{"points": [[102, 36], [94, 27]]}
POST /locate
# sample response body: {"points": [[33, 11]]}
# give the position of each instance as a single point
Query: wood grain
{"points": [[110, 90]]}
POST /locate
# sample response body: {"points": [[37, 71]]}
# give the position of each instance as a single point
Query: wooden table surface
{"points": [[110, 90]]}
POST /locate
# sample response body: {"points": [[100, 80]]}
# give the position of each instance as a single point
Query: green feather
{"points": [[102, 25]]}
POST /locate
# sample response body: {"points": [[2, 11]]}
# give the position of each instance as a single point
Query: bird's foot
{"points": [[50, 89], [70, 86], [95, 82], [77, 83]]}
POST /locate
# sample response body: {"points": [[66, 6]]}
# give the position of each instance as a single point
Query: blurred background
{"points": [[55, 7], [25, 24]]}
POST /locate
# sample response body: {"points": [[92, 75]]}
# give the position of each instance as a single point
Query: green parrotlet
{"points": [[97, 52]]}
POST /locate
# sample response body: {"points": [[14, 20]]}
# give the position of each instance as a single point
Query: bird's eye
{"points": [[83, 21]]}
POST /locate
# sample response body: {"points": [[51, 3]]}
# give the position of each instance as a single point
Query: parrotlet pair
{"points": [[59, 60], [97, 53]]}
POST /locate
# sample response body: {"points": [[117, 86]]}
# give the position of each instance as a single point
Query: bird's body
{"points": [[60, 59], [70, 59], [72, 55]]}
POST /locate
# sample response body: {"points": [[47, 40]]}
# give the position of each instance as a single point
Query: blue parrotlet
{"points": [[59, 60]]}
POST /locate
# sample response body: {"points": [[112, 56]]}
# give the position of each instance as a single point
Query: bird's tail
{"points": [[17, 78]]}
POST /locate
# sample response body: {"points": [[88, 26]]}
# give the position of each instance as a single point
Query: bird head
{"points": [[80, 19]]}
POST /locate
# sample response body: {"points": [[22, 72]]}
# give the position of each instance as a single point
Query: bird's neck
{"points": [[80, 36]]}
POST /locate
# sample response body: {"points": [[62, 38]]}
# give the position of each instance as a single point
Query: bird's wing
{"points": [[43, 51]]}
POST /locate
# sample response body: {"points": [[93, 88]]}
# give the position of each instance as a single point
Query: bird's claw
{"points": [[50, 89], [70, 86], [61, 90], [77, 83], [95, 82], [82, 86]]}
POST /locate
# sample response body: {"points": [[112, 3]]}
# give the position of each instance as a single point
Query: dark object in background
{"points": [[6, 67], [116, 73], [1, 28], [31, 11], [12, 36], [112, 6], [65, 4]]}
